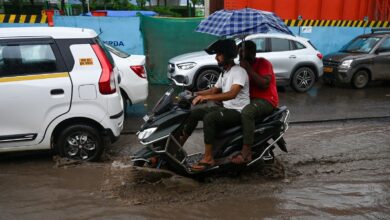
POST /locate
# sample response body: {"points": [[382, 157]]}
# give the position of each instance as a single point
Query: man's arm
{"points": [[231, 94], [213, 90], [261, 81]]}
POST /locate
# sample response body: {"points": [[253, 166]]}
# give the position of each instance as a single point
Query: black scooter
{"points": [[159, 135]]}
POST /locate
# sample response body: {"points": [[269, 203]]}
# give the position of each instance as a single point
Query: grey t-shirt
{"points": [[236, 75]]}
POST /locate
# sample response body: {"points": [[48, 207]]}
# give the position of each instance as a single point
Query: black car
{"points": [[366, 58]]}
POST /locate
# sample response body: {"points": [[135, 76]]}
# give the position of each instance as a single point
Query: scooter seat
{"points": [[236, 129]]}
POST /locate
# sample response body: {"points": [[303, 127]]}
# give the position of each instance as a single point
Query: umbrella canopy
{"points": [[241, 22]]}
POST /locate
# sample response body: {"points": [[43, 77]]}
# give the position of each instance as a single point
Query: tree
{"points": [[141, 3], [63, 5], [17, 5], [84, 6]]}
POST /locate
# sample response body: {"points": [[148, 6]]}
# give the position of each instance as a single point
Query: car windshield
{"points": [[117, 51], [361, 45]]}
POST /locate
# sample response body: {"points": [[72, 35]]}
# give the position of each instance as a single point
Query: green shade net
{"points": [[165, 38]]}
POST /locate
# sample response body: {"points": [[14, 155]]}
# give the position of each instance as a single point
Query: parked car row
{"points": [[297, 62]]}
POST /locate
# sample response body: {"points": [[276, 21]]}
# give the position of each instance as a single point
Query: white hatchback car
{"points": [[295, 60], [134, 82], [59, 91]]}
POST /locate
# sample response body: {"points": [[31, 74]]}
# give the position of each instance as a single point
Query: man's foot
{"points": [[202, 166], [241, 158]]}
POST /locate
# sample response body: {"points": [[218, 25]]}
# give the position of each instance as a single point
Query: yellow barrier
{"points": [[337, 23], [32, 19]]}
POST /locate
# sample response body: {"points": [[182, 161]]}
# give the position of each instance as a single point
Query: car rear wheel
{"points": [[80, 142], [303, 79], [206, 79], [360, 79], [126, 102]]}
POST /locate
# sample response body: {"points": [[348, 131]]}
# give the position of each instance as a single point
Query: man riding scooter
{"points": [[264, 97], [232, 88]]}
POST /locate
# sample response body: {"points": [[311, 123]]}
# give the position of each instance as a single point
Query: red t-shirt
{"points": [[264, 67]]}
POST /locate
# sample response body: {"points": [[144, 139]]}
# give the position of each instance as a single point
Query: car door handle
{"points": [[292, 57], [57, 92]]}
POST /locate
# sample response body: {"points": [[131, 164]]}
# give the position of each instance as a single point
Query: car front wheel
{"points": [[360, 79], [80, 142], [303, 79], [206, 80]]}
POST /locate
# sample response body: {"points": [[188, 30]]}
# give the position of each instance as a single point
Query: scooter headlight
{"points": [[146, 133]]}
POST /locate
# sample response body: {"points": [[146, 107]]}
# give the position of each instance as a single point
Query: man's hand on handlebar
{"points": [[199, 99]]}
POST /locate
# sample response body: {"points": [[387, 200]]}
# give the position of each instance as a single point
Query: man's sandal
{"points": [[202, 166], [240, 159]]}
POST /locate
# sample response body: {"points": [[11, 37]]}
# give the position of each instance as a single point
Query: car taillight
{"points": [[139, 70], [107, 78], [320, 56]]}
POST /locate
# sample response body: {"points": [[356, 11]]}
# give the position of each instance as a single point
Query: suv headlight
{"points": [[346, 64], [186, 66], [146, 133]]}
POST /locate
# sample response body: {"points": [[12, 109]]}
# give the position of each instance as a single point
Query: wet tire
{"points": [[80, 142], [303, 79], [273, 170], [125, 102], [360, 79], [206, 79]]}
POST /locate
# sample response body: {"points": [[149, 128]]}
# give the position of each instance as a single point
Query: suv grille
{"points": [[331, 63]]}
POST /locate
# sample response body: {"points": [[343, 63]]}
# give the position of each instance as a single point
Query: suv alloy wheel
{"points": [[206, 79], [303, 79]]}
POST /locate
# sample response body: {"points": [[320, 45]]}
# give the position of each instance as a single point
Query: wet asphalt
{"points": [[337, 168], [321, 103]]}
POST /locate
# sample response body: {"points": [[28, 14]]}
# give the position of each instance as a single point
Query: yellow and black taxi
{"points": [[59, 91]]}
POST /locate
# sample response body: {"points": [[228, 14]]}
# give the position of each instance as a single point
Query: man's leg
{"points": [[251, 113], [192, 121], [221, 118]]}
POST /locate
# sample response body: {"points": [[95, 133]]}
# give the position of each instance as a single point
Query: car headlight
{"points": [[346, 64], [146, 133], [186, 66]]}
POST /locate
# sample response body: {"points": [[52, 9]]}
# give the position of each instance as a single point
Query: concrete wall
{"points": [[122, 32], [329, 39]]}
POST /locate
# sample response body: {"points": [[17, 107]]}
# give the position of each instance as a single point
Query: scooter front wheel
{"points": [[151, 162]]}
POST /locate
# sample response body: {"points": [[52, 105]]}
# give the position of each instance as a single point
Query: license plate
{"points": [[328, 69], [146, 118]]}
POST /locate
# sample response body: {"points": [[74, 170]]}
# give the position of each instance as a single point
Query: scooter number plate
{"points": [[146, 118]]}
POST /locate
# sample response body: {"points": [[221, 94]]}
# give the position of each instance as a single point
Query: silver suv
{"points": [[295, 60]]}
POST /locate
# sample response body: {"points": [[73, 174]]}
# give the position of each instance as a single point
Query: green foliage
{"points": [[165, 11], [141, 3], [112, 5]]}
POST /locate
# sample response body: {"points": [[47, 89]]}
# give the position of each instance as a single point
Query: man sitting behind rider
{"points": [[232, 88], [263, 95]]}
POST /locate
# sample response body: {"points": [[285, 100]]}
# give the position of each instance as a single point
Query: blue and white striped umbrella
{"points": [[242, 22]]}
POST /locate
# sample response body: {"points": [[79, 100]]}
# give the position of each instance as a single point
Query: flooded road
{"points": [[334, 170]]}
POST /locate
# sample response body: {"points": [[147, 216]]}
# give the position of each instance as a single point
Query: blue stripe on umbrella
{"points": [[241, 22]]}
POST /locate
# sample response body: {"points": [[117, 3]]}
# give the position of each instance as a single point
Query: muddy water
{"points": [[333, 171]]}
